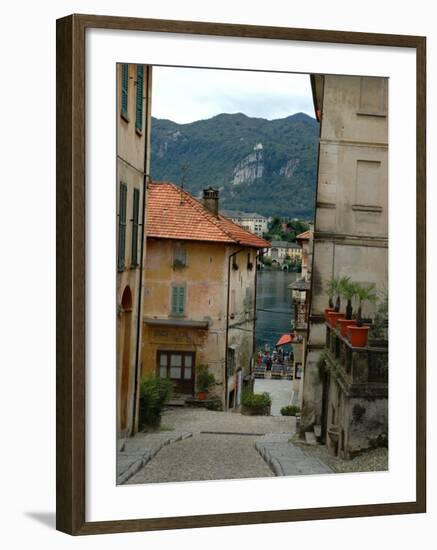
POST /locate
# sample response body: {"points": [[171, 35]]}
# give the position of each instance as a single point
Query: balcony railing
{"points": [[358, 366]]}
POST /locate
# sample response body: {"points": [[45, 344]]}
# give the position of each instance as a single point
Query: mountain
{"points": [[259, 165]]}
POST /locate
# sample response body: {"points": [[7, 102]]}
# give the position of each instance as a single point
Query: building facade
{"points": [[133, 127], [282, 251], [253, 222], [300, 296], [346, 400], [199, 295]]}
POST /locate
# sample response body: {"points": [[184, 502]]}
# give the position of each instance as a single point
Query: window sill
{"points": [[138, 132], [124, 116], [382, 114]]}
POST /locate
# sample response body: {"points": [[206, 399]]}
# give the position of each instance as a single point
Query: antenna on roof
{"points": [[184, 171]]}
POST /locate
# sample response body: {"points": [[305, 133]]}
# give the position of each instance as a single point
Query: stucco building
{"points": [[133, 126], [199, 295], [300, 296], [282, 251], [348, 410], [253, 222]]}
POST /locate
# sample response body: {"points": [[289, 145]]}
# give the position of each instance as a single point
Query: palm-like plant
{"points": [[348, 290], [333, 289], [364, 294]]}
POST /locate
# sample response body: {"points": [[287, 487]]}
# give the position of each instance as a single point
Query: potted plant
{"points": [[334, 289], [330, 291], [204, 381], [255, 403], [358, 334], [154, 393], [348, 292]]}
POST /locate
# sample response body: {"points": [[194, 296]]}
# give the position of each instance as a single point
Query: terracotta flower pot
{"points": [[327, 310], [201, 396], [333, 316], [343, 324], [358, 336]]}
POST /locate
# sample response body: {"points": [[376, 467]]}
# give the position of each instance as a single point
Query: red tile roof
{"points": [[172, 213], [305, 236]]}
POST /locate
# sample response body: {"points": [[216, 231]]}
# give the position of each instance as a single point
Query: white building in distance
{"points": [[253, 222]]}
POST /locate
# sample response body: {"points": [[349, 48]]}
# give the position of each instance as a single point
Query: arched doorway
{"points": [[125, 356]]}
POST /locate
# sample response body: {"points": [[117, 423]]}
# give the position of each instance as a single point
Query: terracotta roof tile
{"points": [[172, 213], [305, 236]]}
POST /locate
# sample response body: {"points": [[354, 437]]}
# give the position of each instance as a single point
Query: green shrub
{"points": [[154, 392], [290, 410], [255, 400], [204, 378], [214, 404]]}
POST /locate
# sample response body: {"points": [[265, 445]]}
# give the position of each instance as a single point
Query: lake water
{"points": [[273, 304]]}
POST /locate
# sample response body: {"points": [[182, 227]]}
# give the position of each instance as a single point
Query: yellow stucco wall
{"points": [[131, 164], [206, 280]]}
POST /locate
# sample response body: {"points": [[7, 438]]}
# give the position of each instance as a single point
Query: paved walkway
{"points": [[205, 457], [280, 391], [210, 445], [287, 459], [134, 452], [222, 446]]}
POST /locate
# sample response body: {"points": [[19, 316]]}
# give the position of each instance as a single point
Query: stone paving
{"points": [[280, 391], [287, 459], [205, 457], [222, 446], [198, 420], [213, 445], [135, 452]]}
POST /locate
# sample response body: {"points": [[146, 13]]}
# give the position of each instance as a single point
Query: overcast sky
{"points": [[185, 95]]}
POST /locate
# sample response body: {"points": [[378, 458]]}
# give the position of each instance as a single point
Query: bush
{"points": [[154, 392], [204, 379], [290, 410], [255, 400], [214, 404]]}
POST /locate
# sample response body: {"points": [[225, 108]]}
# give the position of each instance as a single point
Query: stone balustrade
{"points": [[361, 370]]}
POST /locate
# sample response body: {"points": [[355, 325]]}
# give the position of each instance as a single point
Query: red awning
{"points": [[285, 339]]}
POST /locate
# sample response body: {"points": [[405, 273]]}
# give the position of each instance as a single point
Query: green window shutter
{"points": [[140, 90], [122, 226], [178, 300], [135, 219], [124, 88]]}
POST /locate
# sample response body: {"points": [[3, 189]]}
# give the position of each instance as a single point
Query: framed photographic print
{"points": [[240, 227]]}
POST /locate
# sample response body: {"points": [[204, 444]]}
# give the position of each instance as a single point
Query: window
{"points": [[139, 102], [124, 88], [135, 219], [178, 300], [231, 360], [178, 366], [179, 256], [122, 226]]}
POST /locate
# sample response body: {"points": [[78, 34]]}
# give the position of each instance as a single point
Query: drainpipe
{"points": [[139, 316], [227, 323]]}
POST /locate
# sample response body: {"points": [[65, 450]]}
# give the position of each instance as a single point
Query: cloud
{"points": [[185, 95]]}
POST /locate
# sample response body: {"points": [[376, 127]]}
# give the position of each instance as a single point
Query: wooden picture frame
{"points": [[71, 248]]}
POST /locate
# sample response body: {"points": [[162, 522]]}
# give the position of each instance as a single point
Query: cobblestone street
{"points": [[226, 451]]}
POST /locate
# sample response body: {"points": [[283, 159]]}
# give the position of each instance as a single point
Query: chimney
{"points": [[211, 200]]}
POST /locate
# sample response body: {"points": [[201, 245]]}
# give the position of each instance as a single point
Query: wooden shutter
{"points": [[140, 89], [135, 215], [122, 226], [124, 88], [178, 300]]}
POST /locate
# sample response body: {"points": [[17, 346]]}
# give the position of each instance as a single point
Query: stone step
{"points": [[310, 438]]}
